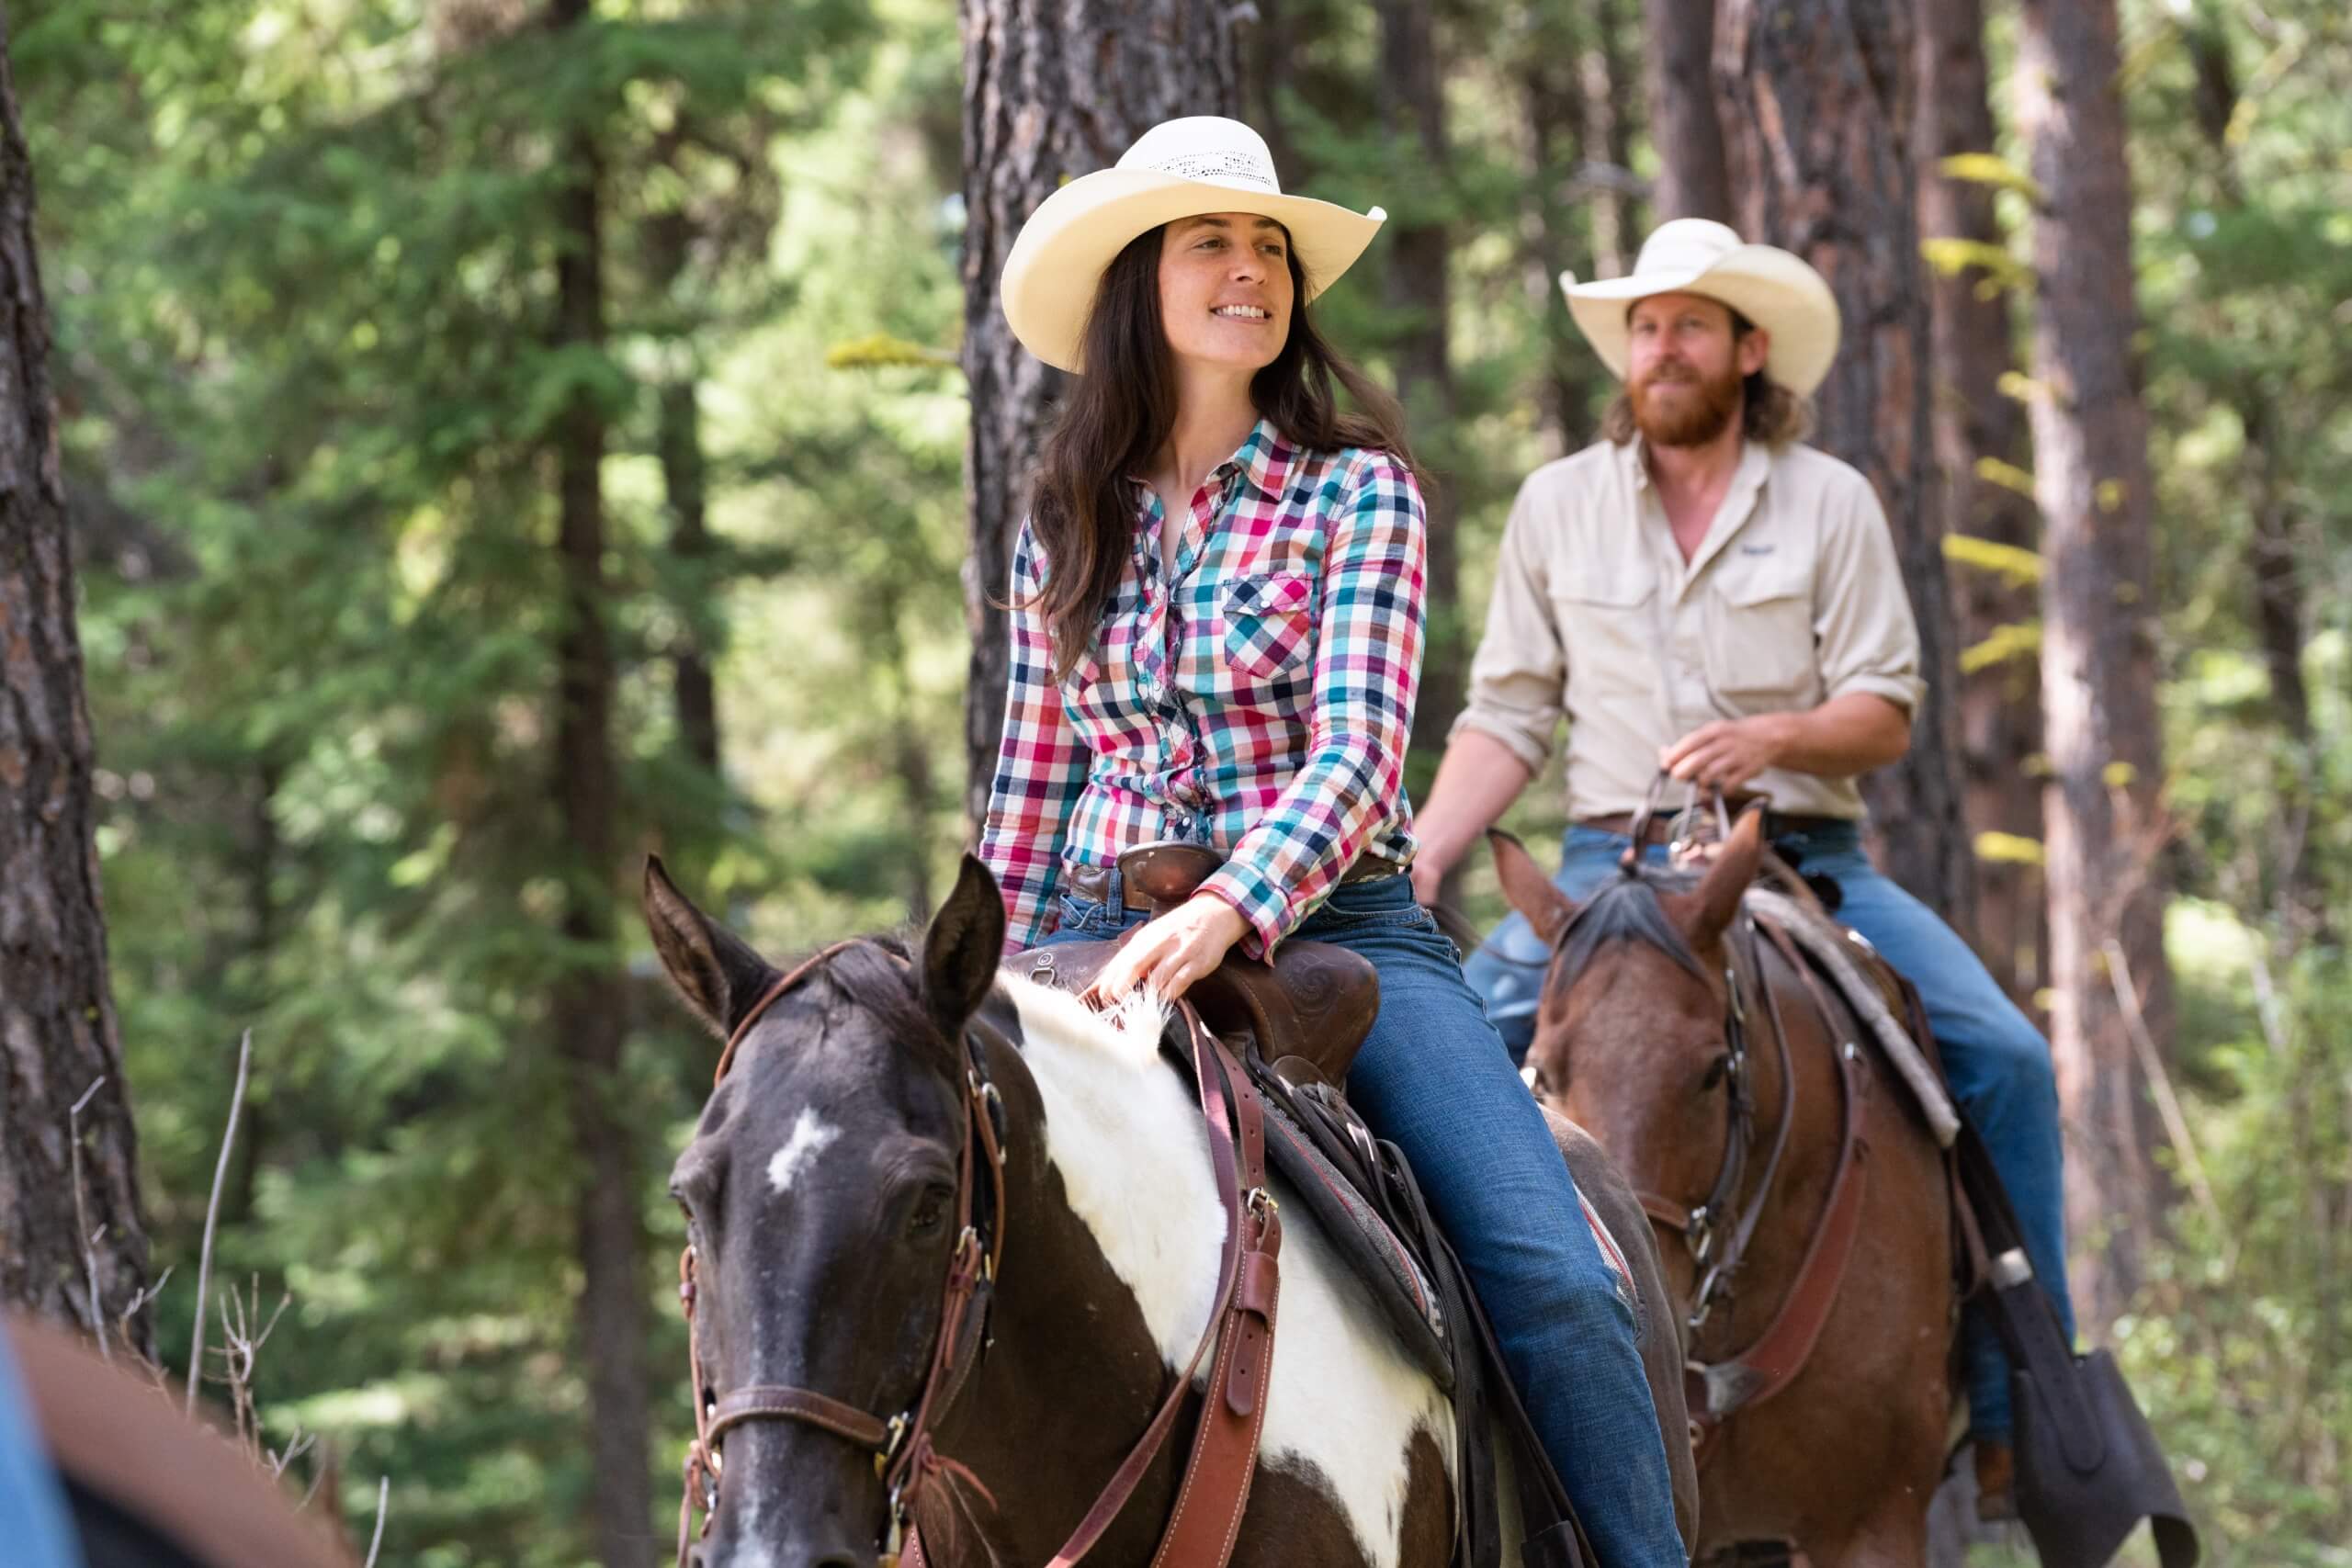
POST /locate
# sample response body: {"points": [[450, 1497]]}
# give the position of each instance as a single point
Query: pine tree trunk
{"points": [[1552, 116], [1693, 180], [590, 1003], [2000, 706], [1605, 92], [2090, 442], [57, 1020], [1815, 105], [1050, 93], [1413, 111]]}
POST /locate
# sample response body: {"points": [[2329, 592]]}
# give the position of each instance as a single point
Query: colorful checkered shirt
{"points": [[1257, 700]]}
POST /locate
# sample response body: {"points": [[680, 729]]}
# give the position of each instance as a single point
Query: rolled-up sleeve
{"points": [[1520, 672], [1864, 636], [1367, 669], [1040, 767]]}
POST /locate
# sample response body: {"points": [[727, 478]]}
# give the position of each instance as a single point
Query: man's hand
{"points": [[1726, 754], [1170, 954]]}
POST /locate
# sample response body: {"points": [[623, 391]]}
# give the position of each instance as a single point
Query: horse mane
{"points": [[1627, 909], [878, 975]]}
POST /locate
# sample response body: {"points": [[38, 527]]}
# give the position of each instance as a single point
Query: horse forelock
{"points": [[1627, 909]]}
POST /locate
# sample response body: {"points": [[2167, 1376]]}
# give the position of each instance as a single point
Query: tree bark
{"points": [[58, 1035], [591, 1000], [1552, 117], [2103, 807], [1050, 93], [1412, 107], [1605, 83], [1815, 98], [2000, 706], [1694, 179]]}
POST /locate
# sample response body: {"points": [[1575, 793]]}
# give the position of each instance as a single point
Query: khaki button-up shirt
{"points": [[1794, 597]]}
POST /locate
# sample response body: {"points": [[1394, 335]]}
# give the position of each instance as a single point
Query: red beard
{"points": [[1682, 409]]}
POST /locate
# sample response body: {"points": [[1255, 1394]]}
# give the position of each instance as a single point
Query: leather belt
{"points": [[1092, 883], [1777, 824]]}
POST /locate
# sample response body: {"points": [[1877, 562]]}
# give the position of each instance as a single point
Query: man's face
{"points": [[1684, 367]]}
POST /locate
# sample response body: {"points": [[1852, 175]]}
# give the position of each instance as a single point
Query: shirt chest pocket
{"points": [[1268, 631], [1759, 636], [1609, 630]]}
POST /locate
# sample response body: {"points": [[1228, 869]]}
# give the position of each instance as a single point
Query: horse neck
{"points": [[1074, 1368]]}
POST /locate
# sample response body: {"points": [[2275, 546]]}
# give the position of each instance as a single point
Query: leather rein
{"points": [[1716, 1240], [904, 1457]]}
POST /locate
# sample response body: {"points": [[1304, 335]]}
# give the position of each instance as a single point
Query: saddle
{"points": [[1295, 1025]]}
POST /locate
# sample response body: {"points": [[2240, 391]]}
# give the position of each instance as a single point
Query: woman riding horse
{"points": [[1217, 606]]}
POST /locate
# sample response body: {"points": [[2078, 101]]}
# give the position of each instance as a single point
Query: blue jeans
{"points": [[1434, 1078], [1997, 1062]]}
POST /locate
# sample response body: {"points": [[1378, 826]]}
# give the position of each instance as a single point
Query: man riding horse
{"points": [[1700, 592]]}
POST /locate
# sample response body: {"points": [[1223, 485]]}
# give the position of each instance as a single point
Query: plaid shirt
{"points": [[1257, 700]]}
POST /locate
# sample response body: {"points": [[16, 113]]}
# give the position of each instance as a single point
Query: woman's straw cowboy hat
{"points": [[1180, 168], [1691, 255]]}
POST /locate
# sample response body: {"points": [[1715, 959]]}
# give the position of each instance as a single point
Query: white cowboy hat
{"points": [[1771, 287], [1180, 168]]}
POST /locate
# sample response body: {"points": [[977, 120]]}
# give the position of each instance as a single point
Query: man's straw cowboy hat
{"points": [[1691, 255], [1180, 168]]}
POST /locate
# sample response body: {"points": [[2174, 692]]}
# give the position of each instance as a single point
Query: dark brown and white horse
{"points": [[823, 1190]]}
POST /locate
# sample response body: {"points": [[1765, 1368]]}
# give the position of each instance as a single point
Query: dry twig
{"points": [[383, 1496], [88, 1238], [212, 1220]]}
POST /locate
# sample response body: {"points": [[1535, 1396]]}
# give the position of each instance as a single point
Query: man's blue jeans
{"points": [[1997, 1061], [1434, 1078]]}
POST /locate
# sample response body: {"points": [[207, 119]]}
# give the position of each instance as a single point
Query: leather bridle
{"points": [[1717, 1240], [1771, 1361], [904, 1456]]}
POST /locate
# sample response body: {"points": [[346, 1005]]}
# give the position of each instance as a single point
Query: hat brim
{"points": [[1059, 256], [1776, 290]]}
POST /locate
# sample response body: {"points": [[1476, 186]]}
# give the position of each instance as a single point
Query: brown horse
{"points": [[827, 1187], [1659, 1027]]}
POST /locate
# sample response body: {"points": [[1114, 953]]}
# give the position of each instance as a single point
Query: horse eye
{"points": [[930, 1213], [1715, 1071]]}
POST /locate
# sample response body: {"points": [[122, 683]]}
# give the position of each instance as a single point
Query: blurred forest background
{"points": [[504, 437]]}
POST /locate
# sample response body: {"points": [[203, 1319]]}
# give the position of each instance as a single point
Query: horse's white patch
{"points": [[1123, 1132], [812, 1135]]}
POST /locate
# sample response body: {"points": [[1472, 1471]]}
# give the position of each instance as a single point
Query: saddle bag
{"points": [[2089, 1467]]}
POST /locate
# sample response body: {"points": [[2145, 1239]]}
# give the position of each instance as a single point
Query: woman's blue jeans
{"points": [[1434, 1078], [1997, 1062]]}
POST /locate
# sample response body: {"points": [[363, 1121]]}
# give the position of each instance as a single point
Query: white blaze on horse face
{"points": [[812, 1135], [1125, 1133]]}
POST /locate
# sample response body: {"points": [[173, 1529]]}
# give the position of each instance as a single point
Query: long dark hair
{"points": [[1119, 412]]}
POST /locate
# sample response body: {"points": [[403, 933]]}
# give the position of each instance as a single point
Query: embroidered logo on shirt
{"points": [[1757, 549]]}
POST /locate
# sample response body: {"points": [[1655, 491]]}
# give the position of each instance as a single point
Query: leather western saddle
{"points": [[1314, 1003]]}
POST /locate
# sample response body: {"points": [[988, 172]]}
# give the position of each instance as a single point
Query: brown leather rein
{"points": [[1716, 1391], [1239, 1324]]}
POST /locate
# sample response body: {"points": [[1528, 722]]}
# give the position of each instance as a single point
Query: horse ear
{"points": [[961, 949], [1709, 909], [1531, 892], [716, 971]]}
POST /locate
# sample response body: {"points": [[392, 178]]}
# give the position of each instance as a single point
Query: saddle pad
{"points": [[1826, 941], [1373, 1252]]}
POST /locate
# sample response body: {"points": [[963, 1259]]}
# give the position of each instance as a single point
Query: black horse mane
{"points": [[1627, 909], [878, 974]]}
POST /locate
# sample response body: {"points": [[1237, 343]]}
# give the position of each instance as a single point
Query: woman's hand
{"points": [[1169, 954]]}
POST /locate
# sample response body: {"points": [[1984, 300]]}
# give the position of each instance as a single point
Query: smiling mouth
{"points": [[1241, 313]]}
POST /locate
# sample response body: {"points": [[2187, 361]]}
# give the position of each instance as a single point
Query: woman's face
{"points": [[1225, 289]]}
